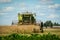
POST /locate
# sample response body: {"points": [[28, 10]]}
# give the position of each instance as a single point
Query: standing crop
{"points": [[31, 37]]}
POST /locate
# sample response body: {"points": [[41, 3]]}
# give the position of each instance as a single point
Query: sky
{"points": [[44, 9]]}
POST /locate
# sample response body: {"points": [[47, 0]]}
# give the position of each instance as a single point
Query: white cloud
{"points": [[37, 6], [50, 6], [7, 9], [57, 5], [46, 1], [23, 9], [52, 16], [3, 13], [42, 14], [22, 4], [54, 6], [3, 1]]}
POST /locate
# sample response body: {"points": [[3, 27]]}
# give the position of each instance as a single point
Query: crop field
{"points": [[16, 36], [25, 32], [27, 29], [52, 31], [18, 29]]}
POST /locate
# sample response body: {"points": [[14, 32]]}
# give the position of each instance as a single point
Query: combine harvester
{"points": [[27, 20]]}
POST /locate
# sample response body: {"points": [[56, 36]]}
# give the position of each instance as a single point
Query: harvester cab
{"points": [[26, 18]]}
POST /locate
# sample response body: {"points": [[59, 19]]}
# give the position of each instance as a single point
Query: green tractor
{"points": [[26, 18]]}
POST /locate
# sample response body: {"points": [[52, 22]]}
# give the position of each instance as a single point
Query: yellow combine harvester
{"points": [[26, 18]]}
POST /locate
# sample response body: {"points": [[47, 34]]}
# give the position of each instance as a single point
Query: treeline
{"points": [[56, 24], [50, 24]]}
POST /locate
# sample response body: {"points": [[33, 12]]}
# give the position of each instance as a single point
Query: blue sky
{"points": [[44, 9]]}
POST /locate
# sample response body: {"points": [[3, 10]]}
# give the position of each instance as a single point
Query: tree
{"points": [[56, 24], [45, 24], [48, 24]]}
